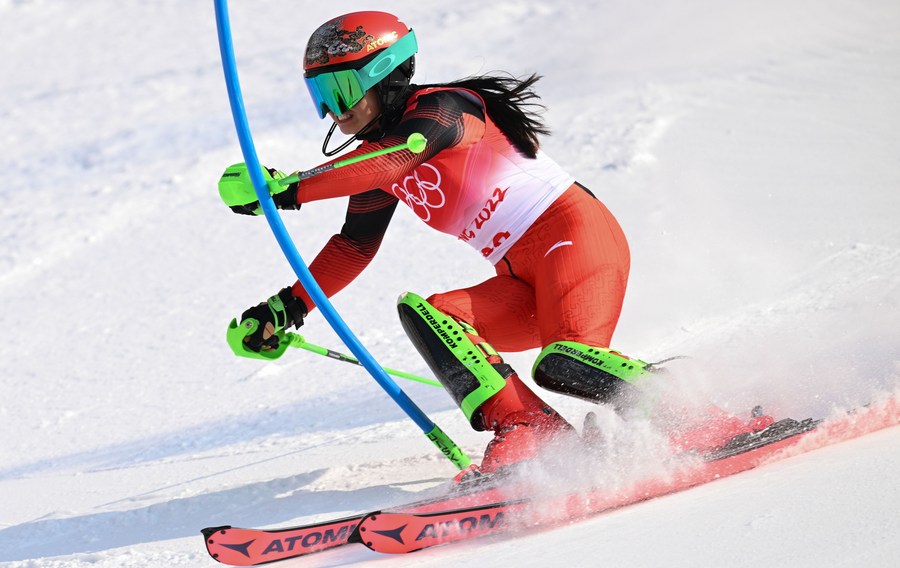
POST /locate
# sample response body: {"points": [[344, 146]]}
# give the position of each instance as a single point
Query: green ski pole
{"points": [[237, 333], [415, 144], [297, 340]]}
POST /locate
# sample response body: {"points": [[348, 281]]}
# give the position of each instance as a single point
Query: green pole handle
{"points": [[415, 144]]}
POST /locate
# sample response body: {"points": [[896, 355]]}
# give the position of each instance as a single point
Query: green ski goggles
{"points": [[339, 91]]}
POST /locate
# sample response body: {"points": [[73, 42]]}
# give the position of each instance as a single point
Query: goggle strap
{"points": [[380, 67]]}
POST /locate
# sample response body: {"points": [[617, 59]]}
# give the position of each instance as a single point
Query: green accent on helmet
{"points": [[236, 187], [489, 380], [602, 358]]}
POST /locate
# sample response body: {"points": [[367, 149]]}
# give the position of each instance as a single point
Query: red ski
{"points": [[249, 547], [401, 532], [396, 533], [488, 506]]}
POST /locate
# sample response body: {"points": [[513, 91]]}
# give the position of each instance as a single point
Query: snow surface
{"points": [[751, 150]]}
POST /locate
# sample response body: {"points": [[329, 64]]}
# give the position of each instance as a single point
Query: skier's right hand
{"points": [[272, 316], [237, 191]]}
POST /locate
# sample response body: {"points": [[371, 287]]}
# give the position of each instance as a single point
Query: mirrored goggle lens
{"points": [[336, 91]]}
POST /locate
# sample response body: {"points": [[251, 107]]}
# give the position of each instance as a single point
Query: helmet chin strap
{"points": [[352, 139]]}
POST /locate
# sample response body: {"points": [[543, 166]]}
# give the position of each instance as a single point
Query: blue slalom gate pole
{"points": [[431, 430]]}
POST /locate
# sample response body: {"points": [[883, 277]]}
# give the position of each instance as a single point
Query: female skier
{"points": [[561, 259]]}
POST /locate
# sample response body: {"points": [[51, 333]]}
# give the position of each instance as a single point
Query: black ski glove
{"points": [[236, 190], [272, 316]]}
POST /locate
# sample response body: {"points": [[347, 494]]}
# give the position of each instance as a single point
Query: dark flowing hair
{"points": [[511, 104]]}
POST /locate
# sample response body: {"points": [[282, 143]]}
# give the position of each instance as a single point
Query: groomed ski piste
{"points": [[749, 149]]}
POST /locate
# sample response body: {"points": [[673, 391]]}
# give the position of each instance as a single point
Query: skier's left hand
{"points": [[236, 190], [272, 316]]}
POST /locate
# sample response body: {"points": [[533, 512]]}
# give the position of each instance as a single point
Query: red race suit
{"points": [[561, 259]]}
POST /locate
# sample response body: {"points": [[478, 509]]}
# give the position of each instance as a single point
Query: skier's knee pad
{"points": [[461, 366], [596, 374]]}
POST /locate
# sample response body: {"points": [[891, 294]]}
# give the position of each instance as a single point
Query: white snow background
{"points": [[751, 151]]}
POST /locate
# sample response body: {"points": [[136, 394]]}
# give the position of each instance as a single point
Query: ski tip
{"points": [[356, 536], [209, 531]]}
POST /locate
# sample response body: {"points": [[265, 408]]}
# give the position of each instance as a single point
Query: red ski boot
{"points": [[523, 426]]}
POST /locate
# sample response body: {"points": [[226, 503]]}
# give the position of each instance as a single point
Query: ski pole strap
{"points": [[236, 334], [415, 144]]}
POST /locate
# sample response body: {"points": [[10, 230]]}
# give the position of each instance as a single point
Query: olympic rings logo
{"points": [[425, 195]]}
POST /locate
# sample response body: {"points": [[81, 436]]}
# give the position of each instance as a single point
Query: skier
{"points": [[561, 258]]}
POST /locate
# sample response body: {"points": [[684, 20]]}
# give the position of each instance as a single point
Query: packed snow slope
{"points": [[751, 151]]}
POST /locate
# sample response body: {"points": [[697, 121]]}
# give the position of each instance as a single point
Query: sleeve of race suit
{"points": [[346, 254], [443, 117]]}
